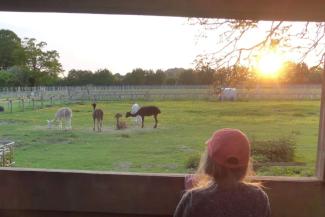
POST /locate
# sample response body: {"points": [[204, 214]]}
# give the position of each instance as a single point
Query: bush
{"points": [[192, 162], [276, 150]]}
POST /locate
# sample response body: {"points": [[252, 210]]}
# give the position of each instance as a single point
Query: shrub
{"points": [[193, 161], [276, 150]]}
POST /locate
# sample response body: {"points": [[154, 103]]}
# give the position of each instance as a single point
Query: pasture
{"points": [[183, 128]]}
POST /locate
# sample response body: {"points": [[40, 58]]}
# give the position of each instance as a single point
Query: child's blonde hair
{"points": [[210, 172]]}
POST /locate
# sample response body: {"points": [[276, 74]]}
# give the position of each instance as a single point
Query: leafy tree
{"points": [[160, 77], [103, 77], [300, 73], [7, 79], [315, 74], [22, 76], [11, 52], [42, 62], [171, 81], [205, 75], [232, 77], [187, 77], [136, 77], [118, 79], [79, 77]]}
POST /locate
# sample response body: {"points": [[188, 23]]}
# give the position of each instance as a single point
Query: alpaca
{"points": [[135, 107], [98, 115], [63, 115], [146, 111], [2, 109], [120, 124]]}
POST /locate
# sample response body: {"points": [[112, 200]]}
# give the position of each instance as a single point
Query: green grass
{"points": [[183, 128]]}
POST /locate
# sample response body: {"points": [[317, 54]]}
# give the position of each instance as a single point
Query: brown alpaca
{"points": [[98, 116], [120, 124], [146, 111]]}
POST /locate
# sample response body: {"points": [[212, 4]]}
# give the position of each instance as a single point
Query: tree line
{"points": [[26, 62]]}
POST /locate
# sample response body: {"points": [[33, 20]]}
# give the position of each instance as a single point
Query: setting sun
{"points": [[269, 64]]}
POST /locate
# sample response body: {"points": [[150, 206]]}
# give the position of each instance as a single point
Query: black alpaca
{"points": [[146, 111], [2, 109]]}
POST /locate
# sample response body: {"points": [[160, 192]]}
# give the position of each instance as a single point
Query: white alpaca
{"points": [[134, 109], [63, 115]]}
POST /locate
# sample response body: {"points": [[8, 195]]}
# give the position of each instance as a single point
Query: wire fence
{"points": [[30, 98]]}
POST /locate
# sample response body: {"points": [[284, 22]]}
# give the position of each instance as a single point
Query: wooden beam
{"points": [[49, 193], [320, 162], [291, 10]]}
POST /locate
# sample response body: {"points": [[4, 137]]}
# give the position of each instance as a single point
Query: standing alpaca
{"points": [[63, 115], [98, 115], [134, 109], [120, 124], [146, 111], [2, 109]]}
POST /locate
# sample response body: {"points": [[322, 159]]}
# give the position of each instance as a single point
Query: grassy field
{"points": [[183, 128]]}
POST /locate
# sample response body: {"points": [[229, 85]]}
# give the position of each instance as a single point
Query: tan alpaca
{"points": [[120, 124]]}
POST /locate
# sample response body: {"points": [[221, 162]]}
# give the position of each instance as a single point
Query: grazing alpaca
{"points": [[63, 115], [120, 124], [146, 111], [135, 107], [98, 115]]}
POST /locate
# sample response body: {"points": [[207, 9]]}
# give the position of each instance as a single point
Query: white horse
{"points": [[63, 115], [135, 108]]}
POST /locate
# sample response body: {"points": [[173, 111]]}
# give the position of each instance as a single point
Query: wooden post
{"points": [[42, 101], [320, 162], [10, 104], [33, 100], [3, 156], [51, 98], [23, 104]]}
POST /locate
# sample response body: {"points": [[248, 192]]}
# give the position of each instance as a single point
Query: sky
{"points": [[119, 43]]}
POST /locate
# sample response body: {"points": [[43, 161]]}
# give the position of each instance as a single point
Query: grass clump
{"points": [[274, 150], [192, 162]]}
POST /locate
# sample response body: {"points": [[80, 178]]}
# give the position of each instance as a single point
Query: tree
{"points": [[236, 47], [103, 77], [233, 77], [79, 77], [187, 77], [205, 75], [7, 79], [43, 63], [315, 74], [136, 77], [11, 52]]}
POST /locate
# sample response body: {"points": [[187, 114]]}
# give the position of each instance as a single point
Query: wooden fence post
{"points": [[10, 103], [42, 101], [23, 104]]}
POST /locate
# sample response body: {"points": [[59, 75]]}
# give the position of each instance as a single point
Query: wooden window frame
{"points": [[236, 9]]}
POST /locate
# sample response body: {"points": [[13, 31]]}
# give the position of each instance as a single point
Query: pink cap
{"points": [[229, 148]]}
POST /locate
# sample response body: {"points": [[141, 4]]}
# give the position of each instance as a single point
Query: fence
{"points": [[39, 97]]}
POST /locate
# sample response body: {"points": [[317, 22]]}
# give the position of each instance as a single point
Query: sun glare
{"points": [[269, 64]]}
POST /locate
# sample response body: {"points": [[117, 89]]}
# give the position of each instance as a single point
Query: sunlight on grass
{"points": [[182, 129]]}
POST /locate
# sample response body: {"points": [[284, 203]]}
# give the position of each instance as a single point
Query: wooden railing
{"points": [[31, 193]]}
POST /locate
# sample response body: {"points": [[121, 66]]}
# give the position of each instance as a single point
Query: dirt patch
{"points": [[122, 166]]}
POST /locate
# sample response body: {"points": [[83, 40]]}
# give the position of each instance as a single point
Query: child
{"points": [[220, 188]]}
